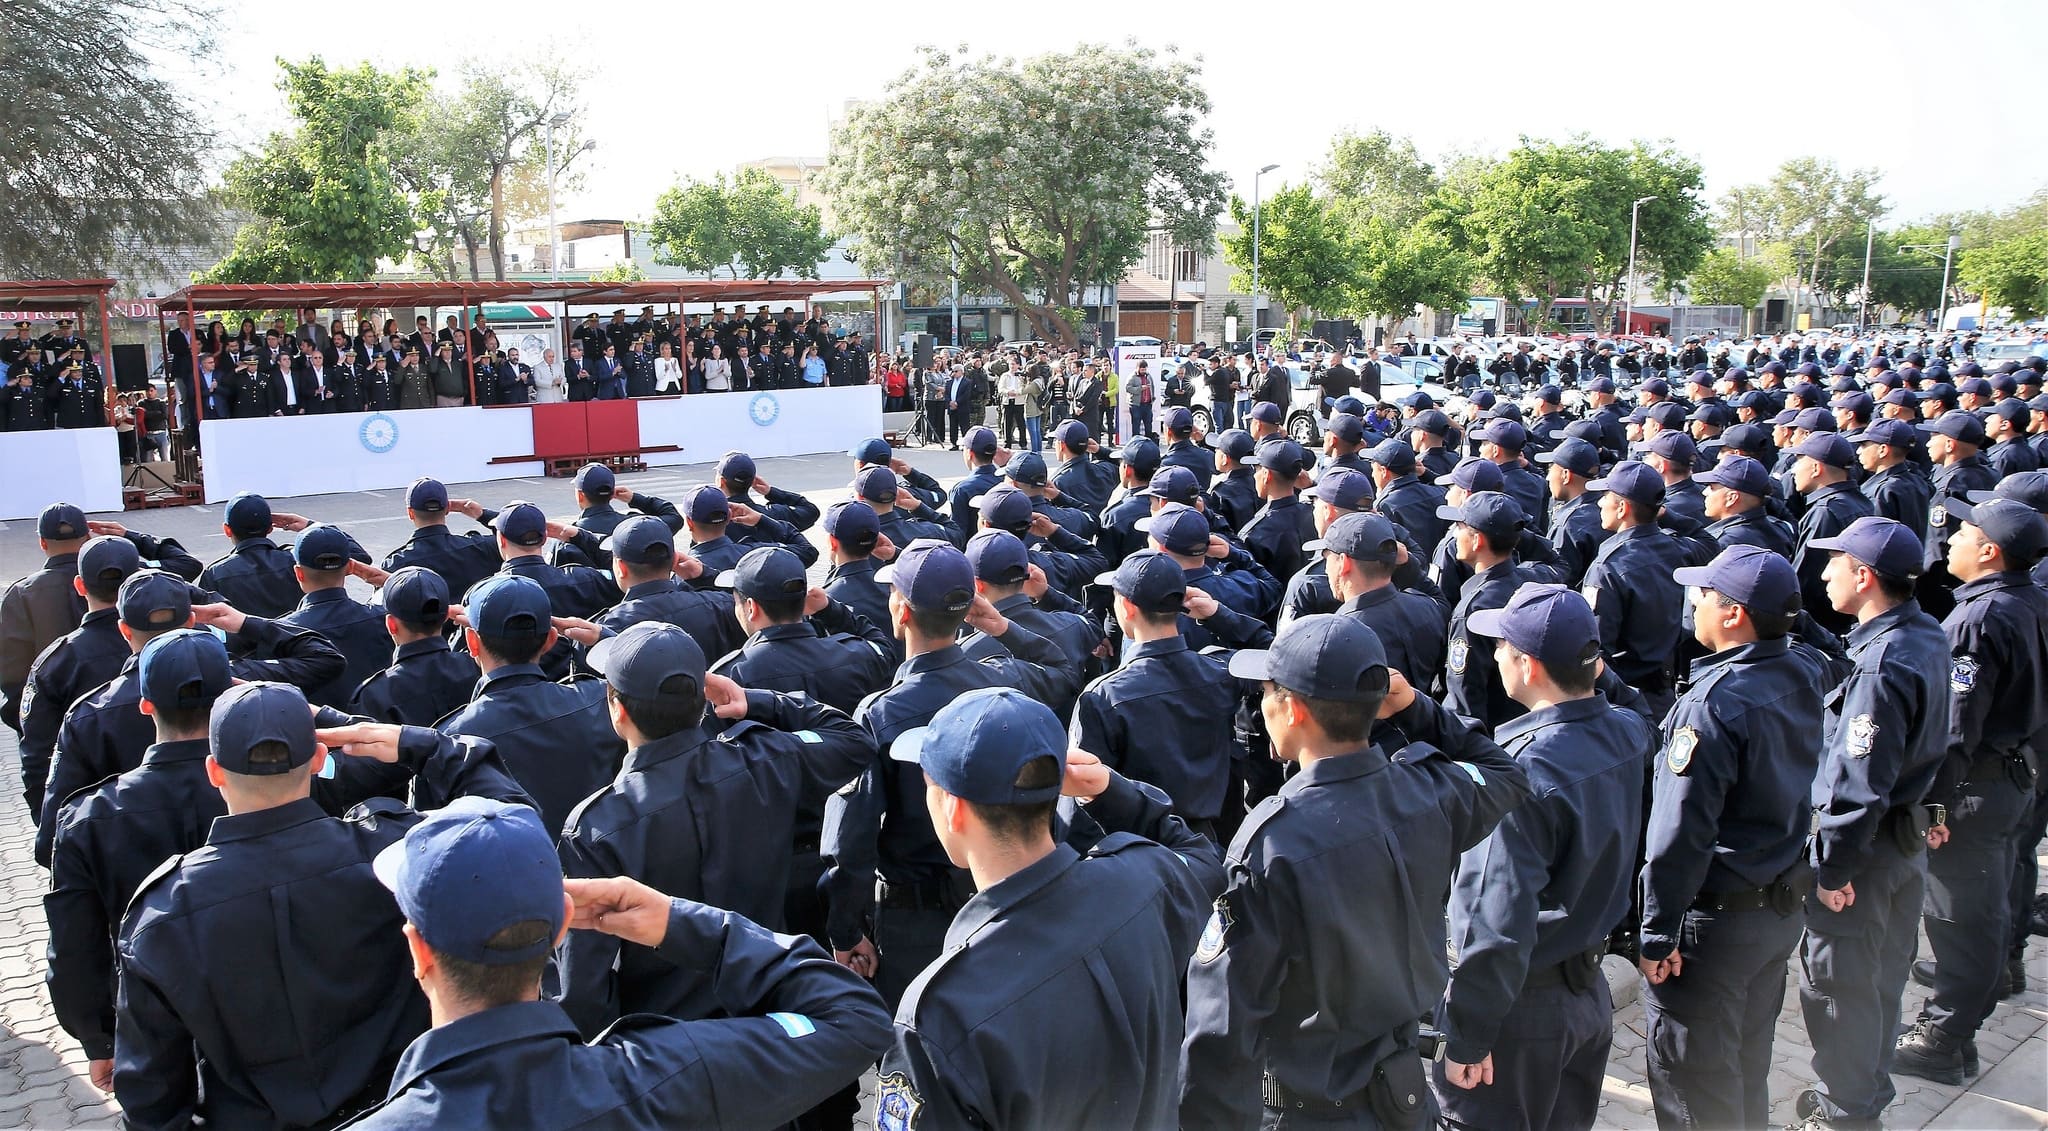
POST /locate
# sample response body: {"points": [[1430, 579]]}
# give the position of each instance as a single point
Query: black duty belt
{"points": [[925, 895], [1280, 1097]]}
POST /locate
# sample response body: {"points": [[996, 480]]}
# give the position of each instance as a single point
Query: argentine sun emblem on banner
{"points": [[764, 409], [379, 434]]}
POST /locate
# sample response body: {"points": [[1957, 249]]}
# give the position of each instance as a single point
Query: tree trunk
{"points": [[469, 245], [497, 218]]}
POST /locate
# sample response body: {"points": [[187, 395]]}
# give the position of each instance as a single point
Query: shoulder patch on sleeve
{"points": [[795, 1024], [1861, 735], [1210, 948], [1678, 754], [810, 737], [1460, 650], [1962, 675], [897, 1104]]}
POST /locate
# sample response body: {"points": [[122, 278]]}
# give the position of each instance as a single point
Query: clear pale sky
{"points": [[691, 89]]}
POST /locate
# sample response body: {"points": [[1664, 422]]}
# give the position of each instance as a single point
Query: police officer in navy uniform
{"points": [[784, 515], [1237, 497], [1302, 928], [890, 885], [970, 1046], [792, 1026], [76, 662], [1629, 583], [1887, 734], [1896, 487], [796, 638], [1165, 715], [1955, 441], [1575, 529], [1243, 592], [852, 532], [1068, 561], [427, 677], [980, 447], [875, 452], [654, 581], [1361, 554], [1276, 534], [256, 575], [1485, 529], [186, 1046], [1502, 441], [80, 399], [462, 560], [1181, 449], [1998, 644], [1077, 473], [1408, 501], [707, 515], [1526, 1017], [1004, 573], [1726, 866], [1737, 500], [321, 564], [1822, 463], [881, 489], [596, 489], [104, 734], [710, 815], [574, 591], [554, 737]]}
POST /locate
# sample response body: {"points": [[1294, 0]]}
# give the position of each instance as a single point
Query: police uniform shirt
{"points": [[426, 680], [706, 818], [1412, 505], [718, 555], [1089, 942], [1411, 627], [706, 615], [1237, 498], [1118, 535], [1348, 865], [600, 519], [1688, 499], [1436, 464], [1754, 528], [835, 656], [72, 665], [924, 487], [1828, 512], [1576, 532], [853, 584], [34, 613], [1067, 514], [1086, 481], [556, 739], [1238, 582], [256, 576], [902, 528], [976, 484], [1998, 640], [573, 591], [1275, 536], [1165, 718], [1472, 684], [1530, 490], [790, 1026], [207, 934], [1070, 563], [1730, 809], [1552, 880], [1075, 635], [1901, 494], [786, 507], [1195, 457], [1954, 481], [356, 630], [462, 560], [2011, 457], [1638, 604], [771, 531]]}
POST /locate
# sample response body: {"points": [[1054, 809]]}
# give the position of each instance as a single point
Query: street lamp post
{"points": [[1629, 302], [1863, 311], [554, 233], [1948, 254], [1255, 255]]}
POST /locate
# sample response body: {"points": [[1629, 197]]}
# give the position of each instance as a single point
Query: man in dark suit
{"points": [[582, 384], [609, 376], [314, 384]]}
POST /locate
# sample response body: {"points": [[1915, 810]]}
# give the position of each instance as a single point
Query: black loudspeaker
{"points": [[131, 368], [921, 351], [1489, 327]]}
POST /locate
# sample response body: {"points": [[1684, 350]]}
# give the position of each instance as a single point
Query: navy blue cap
{"points": [[1740, 473], [931, 575], [1600, 385], [976, 746], [1550, 394], [1348, 404], [2017, 529], [1897, 433], [1746, 438], [1420, 400], [1587, 430], [1394, 455], [471, 869], [1828, 447], [1969, 369], [1505, 410], [1632, 480], [1072, 434], [1431, 420], [1233, 442], [1320, 656], [637, 662], [876, 484], [1477, 473], [1676, 446], [980, 440], [1347, 428], [153, 600], [1265, 412], [249, 715], [1939, 391], [708, 506], [767, 573], [1492, 513], [2004, 383], [323, 547], [1880, 363], [1753, 398], [1809, 396], [1282, 456], [1552, 623], [63, 522], [1179, 529], [507, 605], [1580, 457], [1777, 367], [1657, 386], [1759, 580], [1976, 385], [854, 523], [1735, 373], [523, 524], [1175, 484], [1480, 398], [1886, 545], [1027, 468], [248, 515], [1363, 535], [1508, 434], [596, 481], [643, 540], [184, 669], [108, 560], [1857, 402], [875, 451], [1957, 425], [1808, 369], [1004, 508], [417, 596], [998, 557], [1150, 580], [1141, 456], [1342, 488], [1179, 419], [1669, 415], [1902, 396], [736, 467], [1714, 415], [1814, 420], [427, 496], [2029, 487]]}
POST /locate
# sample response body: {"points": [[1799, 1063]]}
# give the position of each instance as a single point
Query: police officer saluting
{"points": [[427, 677], [462, 560], [1526, 1017], [321, 565], [574, 591], [257, 575], [76, 662], [484, 901], [1088, 939], [1727, 869], [1359, 829], [653, 577]]}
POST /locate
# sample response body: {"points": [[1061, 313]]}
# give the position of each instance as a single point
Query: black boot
{"points": [[2015, 976], [1923, 972], [1930, 1054]]}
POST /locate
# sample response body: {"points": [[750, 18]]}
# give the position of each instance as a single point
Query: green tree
{"points": [[1378, 175], [99, 180], [1812, 207], [1306, 261], [499, 122], [326, 204], [2011, 273], [1725, 278], [1038, 178], [1400, 268], [624, 271], [753, 223]]}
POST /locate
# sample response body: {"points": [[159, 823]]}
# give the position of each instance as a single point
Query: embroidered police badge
{"points": [[1678, 755], [1211, 945], [1861, 736], [1459, 651], [1937, 515], [1962, 675], [897, 1104]]}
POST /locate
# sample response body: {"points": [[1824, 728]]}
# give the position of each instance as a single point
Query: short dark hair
{"points": [[1014, 824], [182, 720], [100, 589], [1576, 678], [648, 571], [1347, 720], [679, 706], [1501, 541], [937, 624], [1640, 512], [1769, 626], [489, 986], [522, 649], [1895, 589], [781, 610]]}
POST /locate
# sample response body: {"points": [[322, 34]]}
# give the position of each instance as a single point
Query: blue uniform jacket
{"points": [[1165, 718], [72, 665], [356, 630], [1901, 493], [975, 485], [703, 613], [556, 738], [1638, 603], [462, 560], [1998, 645], [1412, 504], [256, 576], [426, 680], [1576, 532], [1275, 536]]}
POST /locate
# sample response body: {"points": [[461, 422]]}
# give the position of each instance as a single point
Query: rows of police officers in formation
{"points": [[1207, 782]]}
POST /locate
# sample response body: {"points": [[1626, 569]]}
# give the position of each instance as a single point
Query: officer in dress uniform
{"points": [[1407, 500], [1526, 1017], [1887, 733], [739, 478], [654, 582], [1726, 845], [1821, 465], [1181, 449], [186, 1046], [427, 677], [970, 1043], [1302, 928], [1954, 442], [483, 901], [461, 560]]}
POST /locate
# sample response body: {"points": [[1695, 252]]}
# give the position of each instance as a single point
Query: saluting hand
{"points": [[688, 568], [884, 550], [102, 526], [1086, 776], [619, 906], [1400, 695], [377, 741], [223, 616], [376, 577], [728, 699]]}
